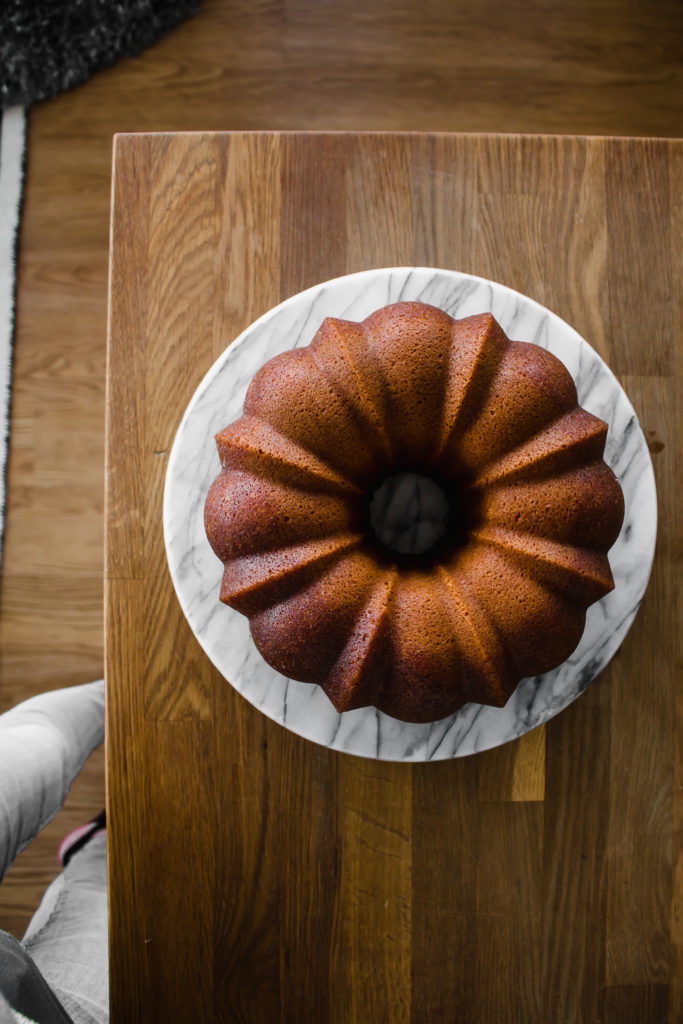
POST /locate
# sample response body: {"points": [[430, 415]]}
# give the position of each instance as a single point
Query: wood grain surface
{"points": [[611, 67], [255, 876]]}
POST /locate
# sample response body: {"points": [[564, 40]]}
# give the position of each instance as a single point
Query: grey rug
{"points": [[12, 172]]}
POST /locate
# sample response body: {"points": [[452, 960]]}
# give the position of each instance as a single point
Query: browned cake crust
{"points": [[497, 424]]}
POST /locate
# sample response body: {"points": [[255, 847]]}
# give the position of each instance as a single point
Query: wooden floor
{"points": [[607, 67]]}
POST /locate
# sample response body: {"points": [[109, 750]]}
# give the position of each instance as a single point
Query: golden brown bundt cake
{"points": [[533, 510]]}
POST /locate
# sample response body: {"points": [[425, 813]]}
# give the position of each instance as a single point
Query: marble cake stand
{"points": [[224, 633]]}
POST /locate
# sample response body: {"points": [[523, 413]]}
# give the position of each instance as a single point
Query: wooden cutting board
{"points": [[255, 876]]}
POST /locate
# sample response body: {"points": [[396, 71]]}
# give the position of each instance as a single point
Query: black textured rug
{"points": [[48, 46]]}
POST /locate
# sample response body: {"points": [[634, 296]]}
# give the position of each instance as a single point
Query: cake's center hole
{"points": [[409, 513]]}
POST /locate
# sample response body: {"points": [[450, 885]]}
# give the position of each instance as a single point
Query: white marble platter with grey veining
{"points": [[224, 633]]}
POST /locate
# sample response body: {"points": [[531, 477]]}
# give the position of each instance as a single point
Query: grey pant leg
{"points": [[68, 935], [44, 743]]}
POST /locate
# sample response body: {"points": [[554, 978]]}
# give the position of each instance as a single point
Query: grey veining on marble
{"points": [[224, 634]]}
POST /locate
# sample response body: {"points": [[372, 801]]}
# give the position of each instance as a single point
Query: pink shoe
{"points": [[76, 840]]}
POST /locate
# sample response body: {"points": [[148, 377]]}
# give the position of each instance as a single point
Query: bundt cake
{"points": [[532, 512]]}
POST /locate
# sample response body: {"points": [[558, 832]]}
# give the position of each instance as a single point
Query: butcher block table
{"points": [[255, 876]]}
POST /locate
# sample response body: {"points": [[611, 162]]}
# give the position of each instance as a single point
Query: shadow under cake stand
{"points": [[224, 633]]}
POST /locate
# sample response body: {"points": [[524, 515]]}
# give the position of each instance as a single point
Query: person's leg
{"points": [[44, 743], [68, 938]]}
